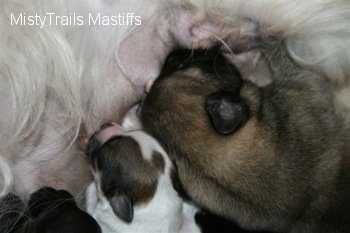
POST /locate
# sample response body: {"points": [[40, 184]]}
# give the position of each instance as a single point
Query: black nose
{"points": [[226, 112]]}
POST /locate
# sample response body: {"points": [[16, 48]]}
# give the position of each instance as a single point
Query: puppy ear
{"points": [[122, 206], [252, 67], [226, 112]]}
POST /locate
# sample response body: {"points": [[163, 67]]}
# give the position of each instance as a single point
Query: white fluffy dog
{"points": [[59, 83]]}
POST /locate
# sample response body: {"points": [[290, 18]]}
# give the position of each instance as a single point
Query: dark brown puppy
{"points": [[286, 169]]}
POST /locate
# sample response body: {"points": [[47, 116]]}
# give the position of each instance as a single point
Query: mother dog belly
{"points": [[59, 83]]}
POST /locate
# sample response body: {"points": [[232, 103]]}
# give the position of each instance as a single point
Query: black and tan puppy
{"points": [[282, 163]]}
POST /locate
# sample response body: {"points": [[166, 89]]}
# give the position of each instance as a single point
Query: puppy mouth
{"points": [[109, 130], [106, 132]]}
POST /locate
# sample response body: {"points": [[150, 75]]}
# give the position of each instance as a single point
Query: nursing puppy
{"points": [[286, 168], [133, 190]]}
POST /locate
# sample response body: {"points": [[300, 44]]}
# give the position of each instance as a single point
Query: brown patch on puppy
{"points": [[281, 169], [124, 170], [158, 162]]}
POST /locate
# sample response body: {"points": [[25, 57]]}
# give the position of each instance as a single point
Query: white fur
{"points": [[61, 83], [148, 146], [161, 214], [8, 177], [164, 213]]}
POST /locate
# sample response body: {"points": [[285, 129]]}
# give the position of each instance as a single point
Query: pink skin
{"points": [[108, 132], [161, 34], [115, 88], [137, 63], [142, 64], [251, 66], [140, 57]]}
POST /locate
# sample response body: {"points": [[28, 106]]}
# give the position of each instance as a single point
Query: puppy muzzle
{"points": [[107, 131]]}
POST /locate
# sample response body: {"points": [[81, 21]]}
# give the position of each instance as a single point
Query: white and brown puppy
{"points": [[133, 190], [274, 157]]}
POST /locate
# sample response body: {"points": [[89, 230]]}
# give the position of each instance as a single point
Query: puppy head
{"points": [[127, 167], [261, 169], [197, 96], [197, 113], [221, 98]]}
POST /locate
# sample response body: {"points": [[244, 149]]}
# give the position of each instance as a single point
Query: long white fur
{"points": [[52, 81], [61, 82], [56, 79]]}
